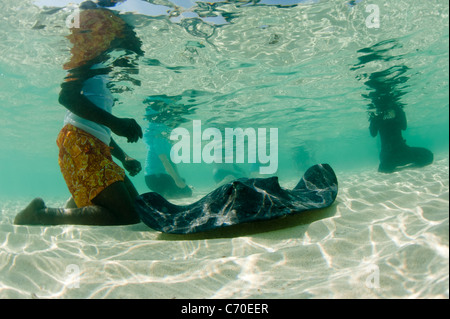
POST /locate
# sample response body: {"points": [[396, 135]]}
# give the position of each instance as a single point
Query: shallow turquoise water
{"points": [[290, 68], [241, 64]]}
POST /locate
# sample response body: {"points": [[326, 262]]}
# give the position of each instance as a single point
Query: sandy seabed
{"points": [[386, 236]]}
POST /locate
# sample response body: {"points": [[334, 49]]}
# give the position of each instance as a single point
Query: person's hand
{"points": [[128, 128], [131, 165]]}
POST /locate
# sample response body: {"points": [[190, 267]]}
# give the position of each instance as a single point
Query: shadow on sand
{"points": [[300, 222]]}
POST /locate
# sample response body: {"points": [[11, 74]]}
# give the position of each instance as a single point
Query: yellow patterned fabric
{"points": [[86, 164], [97, 29]]}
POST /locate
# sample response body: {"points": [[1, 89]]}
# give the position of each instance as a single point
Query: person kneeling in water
{"points": [[395, 154], [101, 192]]}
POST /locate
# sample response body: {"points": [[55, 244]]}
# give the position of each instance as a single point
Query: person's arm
{"points": [[373, 128], [130, 164], [172, 171], [402, 118]]}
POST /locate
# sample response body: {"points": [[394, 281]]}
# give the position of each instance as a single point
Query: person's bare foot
{"points": [[30, 215]]}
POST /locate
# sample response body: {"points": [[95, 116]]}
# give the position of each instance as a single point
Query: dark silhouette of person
{"points": [[395, 154], [386, 111]]}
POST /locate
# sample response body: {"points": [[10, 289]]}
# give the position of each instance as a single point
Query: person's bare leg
{"points": [[113, 206], [37, 214], [118, 200], [131, 189]]}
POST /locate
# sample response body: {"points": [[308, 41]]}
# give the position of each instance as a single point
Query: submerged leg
{"points": [[420, 156], [165, 185], [113, 206], [404, 157]]}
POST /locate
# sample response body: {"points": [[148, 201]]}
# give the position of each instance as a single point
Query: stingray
{"points": [[241, 201]]}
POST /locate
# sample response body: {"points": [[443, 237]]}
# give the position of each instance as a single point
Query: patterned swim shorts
{"points": [[86, 164]]}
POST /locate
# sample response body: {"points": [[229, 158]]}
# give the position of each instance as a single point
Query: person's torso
{"points": [[96, 91]]}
